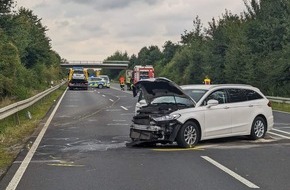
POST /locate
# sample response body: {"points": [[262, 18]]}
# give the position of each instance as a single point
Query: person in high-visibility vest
{"points": [[206, 80], [122, 82]]}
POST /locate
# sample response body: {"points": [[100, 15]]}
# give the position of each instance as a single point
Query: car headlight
{"points": [[166, 117]]}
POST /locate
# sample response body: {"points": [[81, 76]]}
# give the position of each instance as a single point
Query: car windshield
{"points": [[105, 78], [78, 72], [195, 94], [172, 100]]}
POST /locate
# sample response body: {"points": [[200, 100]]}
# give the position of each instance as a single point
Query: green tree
{"points": [[133, 61], [6, 6], [117, 56], [268, 38], [169, 50], [196, 33], [149, 55]]}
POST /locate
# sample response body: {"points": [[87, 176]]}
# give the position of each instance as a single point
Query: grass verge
{"points": [[281, 107], [16, 130]]}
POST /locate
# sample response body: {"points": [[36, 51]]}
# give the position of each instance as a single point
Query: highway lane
{"points": [[84, 147]]}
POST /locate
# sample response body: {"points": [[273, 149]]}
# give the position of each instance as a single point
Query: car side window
{"points": [[219, 95], [252, 95], [236, 95]]}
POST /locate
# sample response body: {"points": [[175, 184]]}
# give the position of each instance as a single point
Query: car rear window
{"points": [[252, 95]]}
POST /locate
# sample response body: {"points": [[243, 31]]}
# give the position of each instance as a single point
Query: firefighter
{"points": [[122, 82]]}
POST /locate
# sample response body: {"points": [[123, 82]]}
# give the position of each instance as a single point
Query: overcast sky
{"points": [[94, 29]]}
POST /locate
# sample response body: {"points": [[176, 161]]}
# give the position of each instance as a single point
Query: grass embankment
{"points": [[281, 107], [16, 130]]}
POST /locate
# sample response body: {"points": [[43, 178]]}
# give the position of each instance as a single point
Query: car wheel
{"points": [[188, 135], [100, 86], [259, 128]]}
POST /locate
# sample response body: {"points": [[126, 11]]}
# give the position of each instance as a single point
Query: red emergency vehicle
{"points": [[143, 72]]}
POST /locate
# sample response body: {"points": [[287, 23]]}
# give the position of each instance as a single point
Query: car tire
{"points": [[188, 135], [100, 86], [258, 129]]}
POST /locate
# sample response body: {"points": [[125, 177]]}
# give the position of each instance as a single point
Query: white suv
{"points": [[191, 113]]}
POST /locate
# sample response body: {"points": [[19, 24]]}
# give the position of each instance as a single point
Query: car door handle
{"points": [[251, 105], [226, 107]]}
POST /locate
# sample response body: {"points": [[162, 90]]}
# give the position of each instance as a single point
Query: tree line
{"points": [[250, 48], [27, 61]]}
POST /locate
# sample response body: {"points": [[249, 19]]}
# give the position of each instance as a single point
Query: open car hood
{"points": [[156, 87]]}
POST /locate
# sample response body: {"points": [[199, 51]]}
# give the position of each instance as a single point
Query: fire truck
{"points": [[142, 72]]}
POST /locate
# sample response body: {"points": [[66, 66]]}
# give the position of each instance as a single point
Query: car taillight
{"points": [[269, 104]]}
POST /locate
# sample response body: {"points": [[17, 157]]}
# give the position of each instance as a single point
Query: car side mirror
{"points": [[212, 102]]}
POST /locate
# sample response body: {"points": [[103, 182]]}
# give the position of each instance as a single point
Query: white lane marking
{"points": [[124, 108], [111, 100], [231, 173], [281, 131], [22, 168], [118, 120], [104, 95], [278, 135]]}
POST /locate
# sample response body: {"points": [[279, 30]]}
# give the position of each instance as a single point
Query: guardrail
{"points": [[279, 99], [18, 106]]}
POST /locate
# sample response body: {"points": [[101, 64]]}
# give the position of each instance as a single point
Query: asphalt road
{"points": [[84, 148]]}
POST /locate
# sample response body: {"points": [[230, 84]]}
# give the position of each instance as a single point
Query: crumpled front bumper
{"points": [[145, 132], [155, 133]]}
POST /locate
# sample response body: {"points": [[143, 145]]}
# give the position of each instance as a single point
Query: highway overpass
{"points": [[97, 64]]}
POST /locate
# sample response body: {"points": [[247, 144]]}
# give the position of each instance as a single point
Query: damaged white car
{"points": [[167, 113]]}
